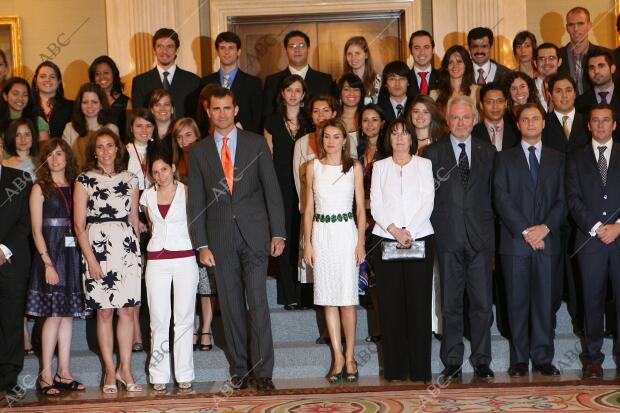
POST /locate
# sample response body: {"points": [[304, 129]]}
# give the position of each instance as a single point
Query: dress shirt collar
{"points": [[526, 150], [302, 72], [171, 70], [457, 149], [231, 76], [486, 68], [232, 142], [609, 90], [571, 116], [498, 128], [608, 144], [395, 103]]}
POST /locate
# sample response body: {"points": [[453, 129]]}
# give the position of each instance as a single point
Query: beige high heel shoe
{"points": [[130, 387], [108, 388]]}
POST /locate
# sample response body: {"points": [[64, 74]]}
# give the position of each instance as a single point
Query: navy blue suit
{"points": [[590, 202], [520, 204]]}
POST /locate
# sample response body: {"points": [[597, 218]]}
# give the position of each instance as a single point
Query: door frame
{"points": [[222, 11]]}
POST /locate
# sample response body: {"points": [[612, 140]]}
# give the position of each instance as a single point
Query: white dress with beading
{"points": [[335, 270]]}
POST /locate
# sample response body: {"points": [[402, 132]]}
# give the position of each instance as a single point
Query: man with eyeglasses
{"points": [[480, 41], [463, 220], [528, 190], [166, 75], [495, 125], [296, 44], [547, 60], [578, 26]]}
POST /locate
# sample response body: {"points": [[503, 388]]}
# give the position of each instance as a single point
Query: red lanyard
{"points": [[68, 202], [142, 166]]}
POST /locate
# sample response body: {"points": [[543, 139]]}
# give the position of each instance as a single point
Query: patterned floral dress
{"points": [[113, 240]]}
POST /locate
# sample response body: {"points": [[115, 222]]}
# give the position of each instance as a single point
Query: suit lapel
{"points": [[156, 80], [450, 165]]}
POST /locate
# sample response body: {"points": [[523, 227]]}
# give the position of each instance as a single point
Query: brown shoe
{"points": [[593, 371]]}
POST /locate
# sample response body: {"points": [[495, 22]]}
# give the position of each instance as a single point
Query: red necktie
{"points": [[423, 83], [227, 165]]}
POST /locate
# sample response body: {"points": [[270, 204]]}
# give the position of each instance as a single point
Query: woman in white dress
{"points": [[334, 246]]}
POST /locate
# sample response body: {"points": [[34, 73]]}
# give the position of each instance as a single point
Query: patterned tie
{"points": [[481, 80], [227, 165], [423, 83], [225, 84], [166, 82], [602, 164], [463, 165], [493, 133], [603, 96], [533, 164], [565, 126], [399, 110]]}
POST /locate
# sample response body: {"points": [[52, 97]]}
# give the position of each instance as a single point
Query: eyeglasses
{"points": [[166, 46], [400, 134], [299, 46], [547, 58]]}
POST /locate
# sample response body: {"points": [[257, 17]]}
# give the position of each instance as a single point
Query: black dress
{"points": [[283, 147], [66, 298], [118, 115]]}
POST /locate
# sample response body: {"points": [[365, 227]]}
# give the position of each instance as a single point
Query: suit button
{"points": [[604, 196], [604, 213], [235, 217]]}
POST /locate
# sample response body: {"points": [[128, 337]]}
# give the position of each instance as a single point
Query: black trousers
{"points": [[288, 288], [601, 267], [404, 292], [13, 287], [466, 271], [529, 281]]}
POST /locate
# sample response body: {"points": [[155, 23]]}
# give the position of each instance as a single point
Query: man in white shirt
{"points": [[297, 47], [547, 62], [495, 127], [165, 75], [396, 82], [423, 76], [480, 41], [594, 206], [15, 260]]}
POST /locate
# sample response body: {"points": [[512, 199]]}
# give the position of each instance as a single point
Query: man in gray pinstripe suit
{"points": [[238, 230]]}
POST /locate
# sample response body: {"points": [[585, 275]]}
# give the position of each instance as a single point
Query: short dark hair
{"points": [[489, 87], [296, 33], [331, 101], [230, 37], [479, 33], [560, 76], [166, 33], [530, 105], [600, 106], [406, 125], [354, 82], [421, 33], [397, 67], [521, 37], [609, 58], [222, 92], [547, 45]]}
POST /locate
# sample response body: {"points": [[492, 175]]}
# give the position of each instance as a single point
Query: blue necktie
{"points": [[533, 164]]}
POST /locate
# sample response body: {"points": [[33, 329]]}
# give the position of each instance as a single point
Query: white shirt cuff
{"points": [[595, 228], [7, 252]]}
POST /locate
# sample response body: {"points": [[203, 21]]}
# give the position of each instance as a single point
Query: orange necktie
{"points": [[227, 165]]}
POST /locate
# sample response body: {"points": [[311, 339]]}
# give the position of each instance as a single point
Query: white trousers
{"points": [[182, 275]]}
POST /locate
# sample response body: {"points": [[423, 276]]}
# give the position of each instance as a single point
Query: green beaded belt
{"points": [[333, 217]]}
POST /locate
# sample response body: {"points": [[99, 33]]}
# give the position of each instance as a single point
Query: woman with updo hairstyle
{"points": [[524, 50]]}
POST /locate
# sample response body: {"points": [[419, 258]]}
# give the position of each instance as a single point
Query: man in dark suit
{"points": [[464, 236], [422, 77], [578, 26], [591, 171], [495, 127], [565, 131], [237, 216], [396, 82], [14, 264], [480, 41], [297, 45], [247, 89], [165, 75], [529, 199], [601, 69]]}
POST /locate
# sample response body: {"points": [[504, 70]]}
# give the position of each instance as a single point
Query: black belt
{"points": [[99, 220]]}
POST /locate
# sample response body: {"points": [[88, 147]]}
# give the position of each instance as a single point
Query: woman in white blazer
{"points": [[402, 194], [171, 262]]}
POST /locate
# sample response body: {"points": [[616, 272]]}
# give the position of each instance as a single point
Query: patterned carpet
{"points": [[577, 398]]}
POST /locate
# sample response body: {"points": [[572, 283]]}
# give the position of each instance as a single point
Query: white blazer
{"points": [[170, 233]]}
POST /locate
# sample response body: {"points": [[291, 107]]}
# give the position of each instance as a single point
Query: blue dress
{"points": [[66, 298]]}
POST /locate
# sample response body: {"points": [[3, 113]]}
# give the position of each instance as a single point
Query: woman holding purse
{"points": [[401, 202]]}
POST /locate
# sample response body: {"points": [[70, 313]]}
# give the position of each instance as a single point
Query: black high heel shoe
{"points": [[352, 377], [205, 347]]}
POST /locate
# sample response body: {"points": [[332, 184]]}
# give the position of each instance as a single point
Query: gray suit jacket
{"points": [[255, 205]]}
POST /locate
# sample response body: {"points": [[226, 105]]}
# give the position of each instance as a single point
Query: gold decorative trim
{"points": [[16, 43], [617, 13], [222, 10]]}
